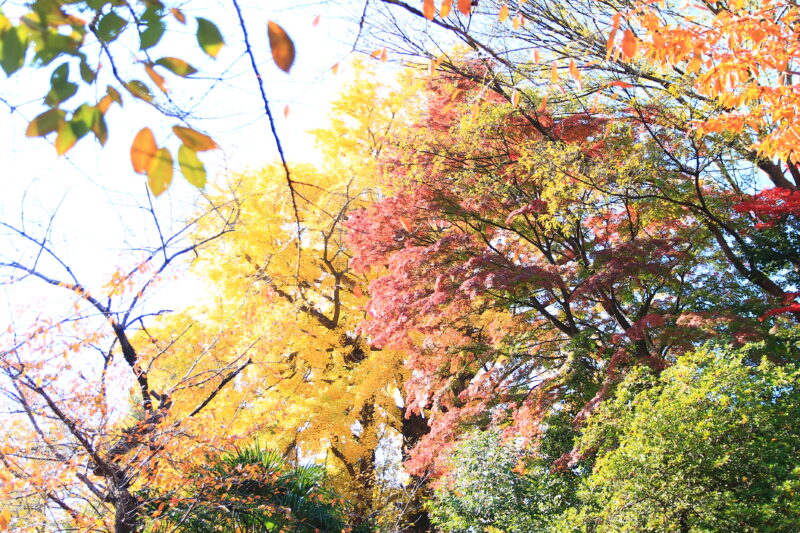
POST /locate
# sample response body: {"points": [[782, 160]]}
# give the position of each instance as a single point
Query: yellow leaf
{"points": [[518, 22], [199, 142], [5, 519], [447, 6], [428, 9], [159, 173], [503, 15], [281, 45], [142, 150], [554, 73]]}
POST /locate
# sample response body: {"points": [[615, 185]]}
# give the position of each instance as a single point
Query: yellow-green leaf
{"points": [[143, 150], [281, 45], [191, 167], [65, 139], [45, 123], [139, 90], [209, 37], [159, 173], [194, 140], [177, 66]]}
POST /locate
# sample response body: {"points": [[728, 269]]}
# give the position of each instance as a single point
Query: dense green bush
{"points": [[711, 444]]}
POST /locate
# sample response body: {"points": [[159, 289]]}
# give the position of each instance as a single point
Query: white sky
{"points": [[99, 218]]}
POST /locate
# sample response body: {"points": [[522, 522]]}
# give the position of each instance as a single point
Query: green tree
{"points": [[711, 444], [493, 485], [252, 489]]}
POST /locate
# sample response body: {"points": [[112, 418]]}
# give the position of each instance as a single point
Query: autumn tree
{"points": [[656, 62], [524, 269], [282, 283], [89, 418]]}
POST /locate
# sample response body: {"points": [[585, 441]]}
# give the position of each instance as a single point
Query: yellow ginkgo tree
{"points": [[280, 288]]}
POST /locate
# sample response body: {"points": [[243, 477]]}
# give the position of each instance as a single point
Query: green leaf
{"points": [[97, 4], [192, 168], [159, 173], [61, 89], [47, 122], [177, 66], [65, 139], [56, 45], [209, 37], [13, 51], [110, 27], [83, 120], [153, 19], [139, 90], [87, 74]]}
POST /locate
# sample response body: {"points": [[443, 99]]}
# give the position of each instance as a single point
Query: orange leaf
{"points": [[518, 22], [610, 41], [428, 9], [281, 45], [194, 140], [157, 78], [315, 22], [623, 84], [286, 111], [142, 150], [335, 68], [554, 74], [543, 105], [465, 6], [574, 72], [515, 98], [535, 55], [503, 15], [444, 11], [629, 44], [178, 14]]}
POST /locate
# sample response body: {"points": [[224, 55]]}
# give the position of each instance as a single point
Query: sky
{"points": [[95, 195]]}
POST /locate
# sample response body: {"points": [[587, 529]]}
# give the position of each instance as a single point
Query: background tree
{"points": [[89, 415], [705, 446], [587, 58], [491, 486], [252, 489]]}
